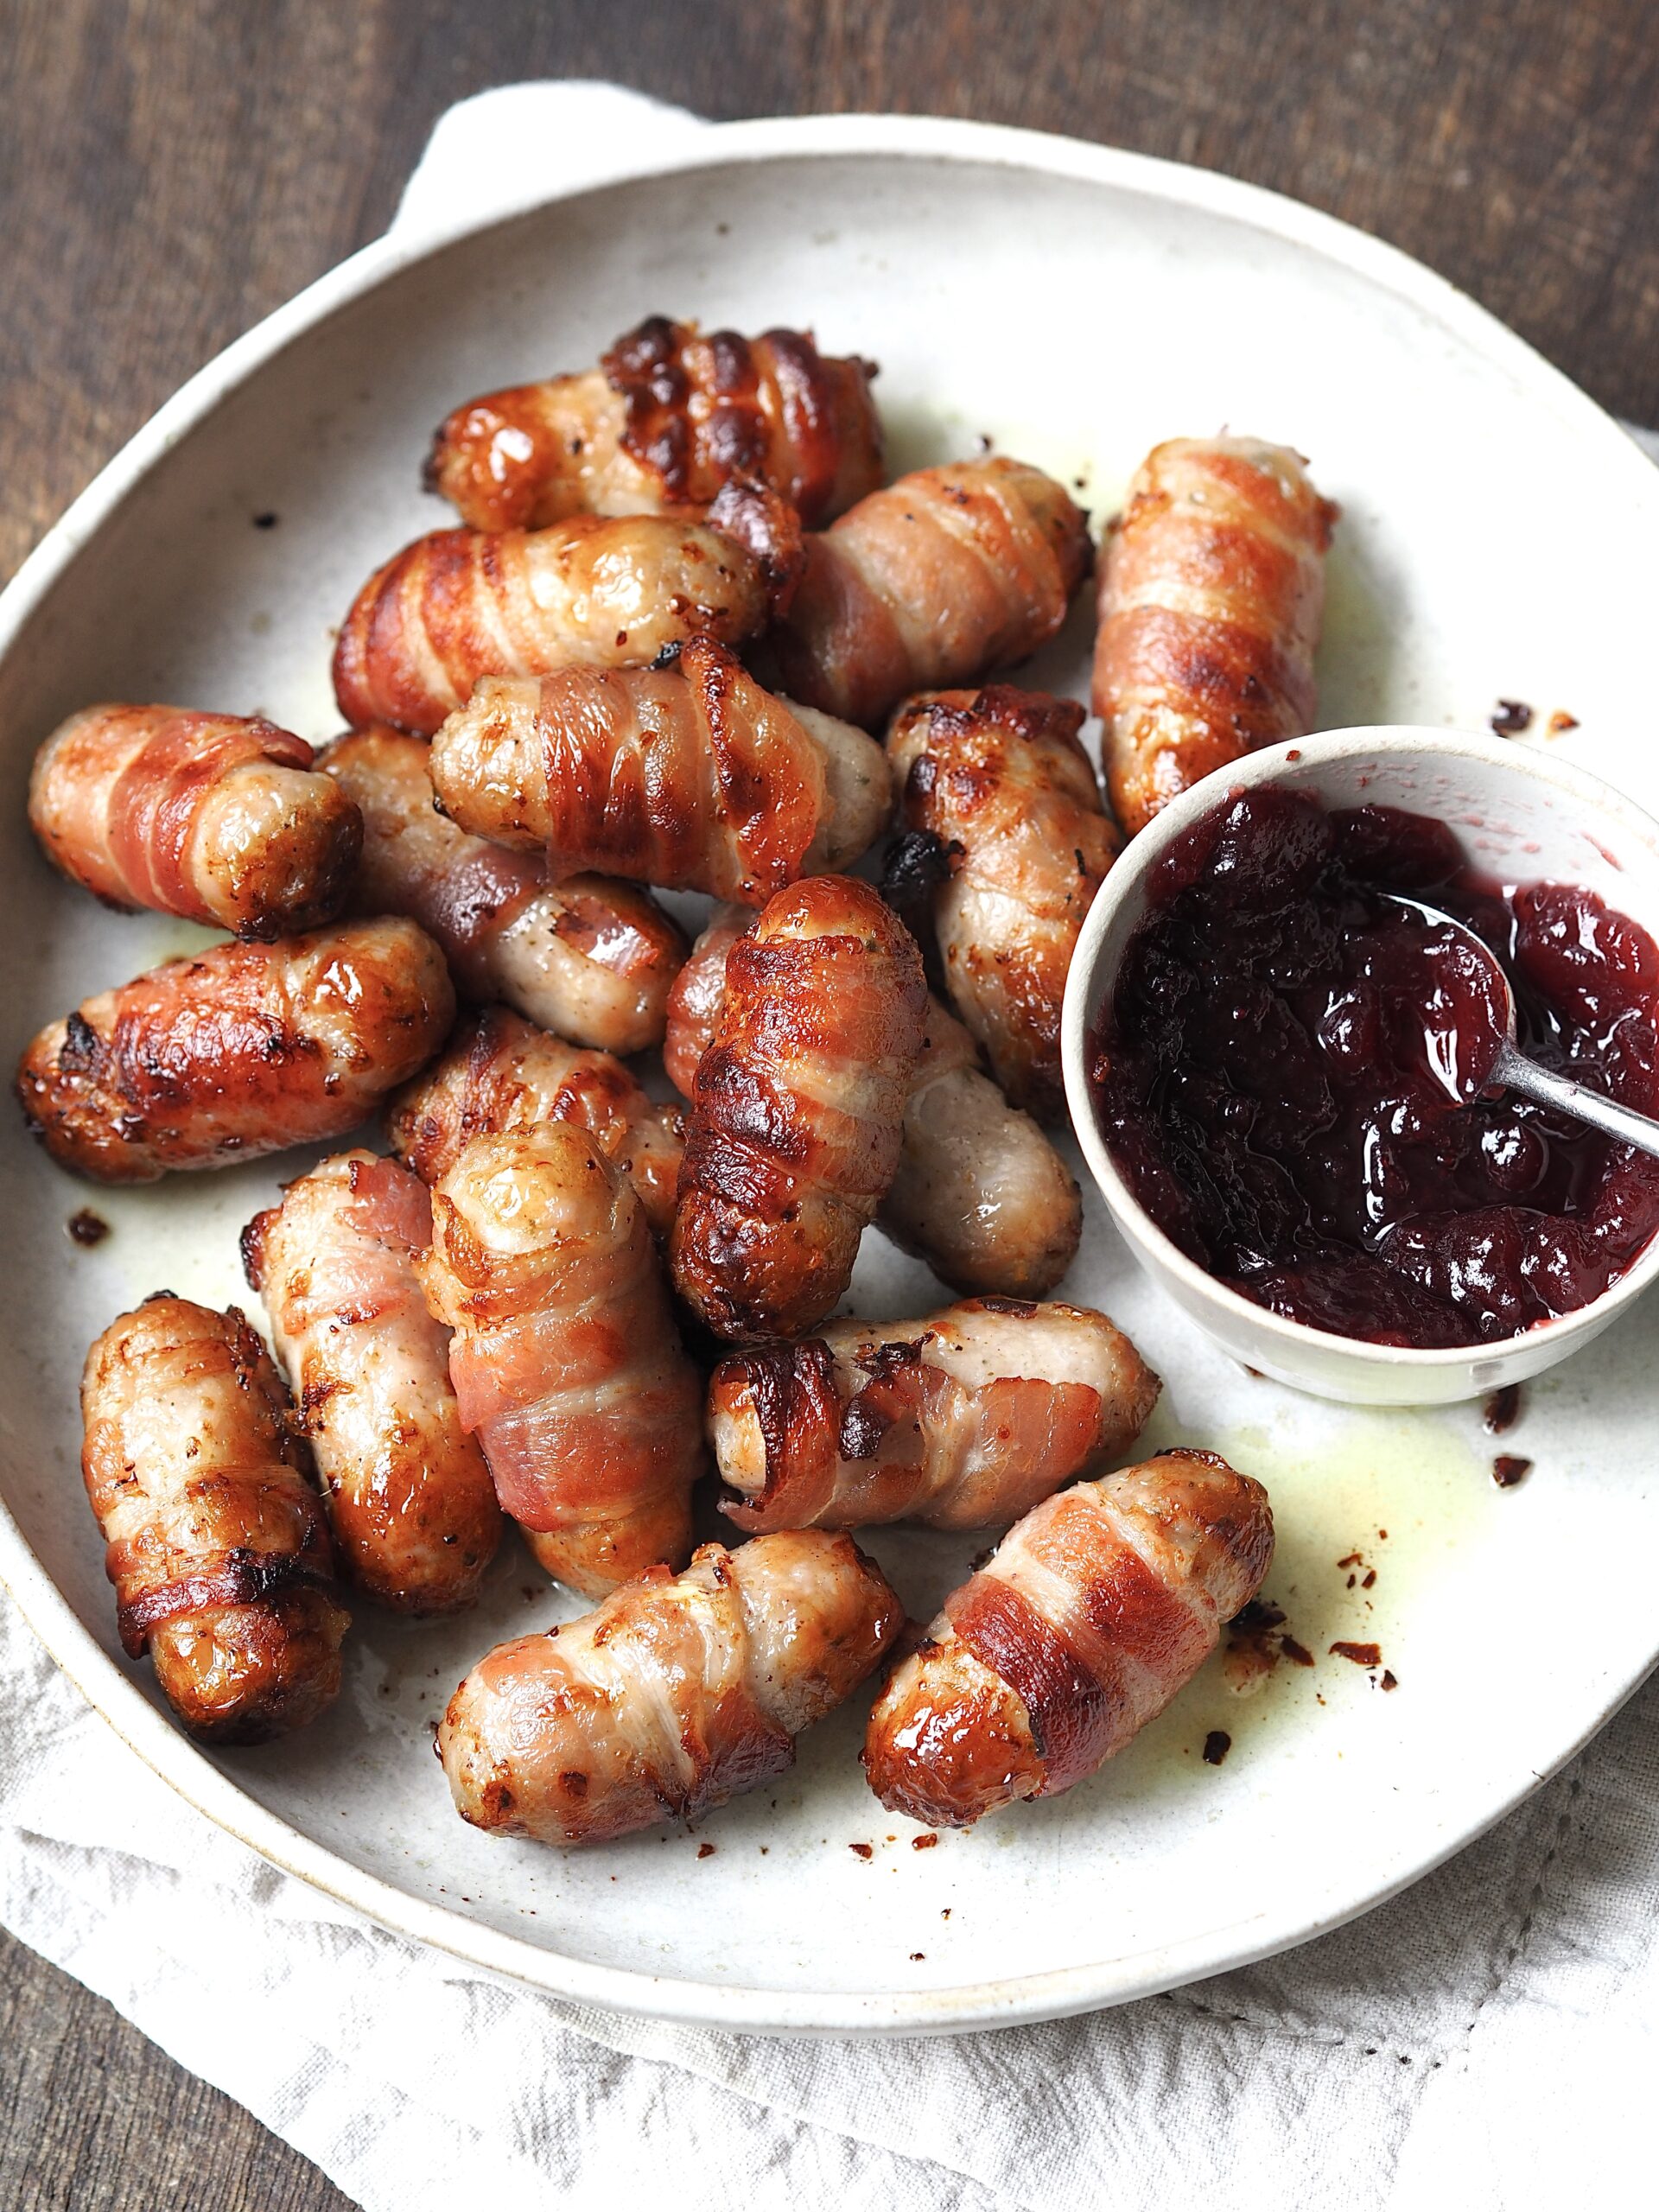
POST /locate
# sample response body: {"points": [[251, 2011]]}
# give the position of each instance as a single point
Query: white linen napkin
{"points": [[1488, 2039]]}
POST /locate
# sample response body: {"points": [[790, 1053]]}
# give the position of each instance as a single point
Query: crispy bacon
{"points": [[795, 1131], [413, 1508], [676, 1694], [1091, 1614], [215, 817], [589, 957], [998, 779], [668, 417], [1210, 607], [566, 1362], [463, 604], [687, 775], [963, 1419], [943, 576], [243, 1050], [980, 1193], [218, 1545], [499, 1073]]}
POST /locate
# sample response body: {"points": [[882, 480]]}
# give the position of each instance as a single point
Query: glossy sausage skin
{"points": [[678, 1693], [566, 1360], [463, 604], [687, 775], [499, 1073], [941, 577], [1091, 1614], [1211, 599], [980, 1193], [794, 1135], [589, 957], [218, 1545], [414, 1511], [969, 1417], [244, 1050], [998, 795], [669, 416], [219, 818]]}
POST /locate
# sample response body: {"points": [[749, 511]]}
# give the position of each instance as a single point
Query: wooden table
{"points": [[172, 170]]}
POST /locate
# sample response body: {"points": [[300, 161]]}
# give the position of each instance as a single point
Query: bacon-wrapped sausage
{"points": [[218, 1545], [242, 1050], [967, 1418], [668, 415], [589, 957], [1210, 607], [1005, 821], [216, 818], [413, 1508], [794, 1135], [676, 1694], [979, 1192], [1090, 1615], [462, 604], [566, 1360], [499, 1073], [943, 576], [688, 776]]}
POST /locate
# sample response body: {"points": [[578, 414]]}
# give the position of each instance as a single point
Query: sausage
{"points": [[979, 1193], [1093, 1612], [1001, 793], [218, 1545], [242, 1050], [566, 1360], [413, 1508], [668, 417], [219, 818], [1210, 600], [943, 576], [687, 775], [794, 1133], [499, 1073], [589, 957], [462, 604], [969, 1417], [676, 1694]]}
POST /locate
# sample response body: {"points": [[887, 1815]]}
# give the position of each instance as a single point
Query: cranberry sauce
{"points": [[1281, 1076]]}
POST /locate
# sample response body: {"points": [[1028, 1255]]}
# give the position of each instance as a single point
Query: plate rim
{"points": [[115, 1696]]}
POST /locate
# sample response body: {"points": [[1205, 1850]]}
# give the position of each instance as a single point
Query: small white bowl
{"points": [[1522, 817]]}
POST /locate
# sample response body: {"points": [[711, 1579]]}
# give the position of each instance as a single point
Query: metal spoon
{"points": [[1515, 1071]]}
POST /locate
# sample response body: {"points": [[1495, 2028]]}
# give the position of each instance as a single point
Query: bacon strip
{"points": [[459, 605], [669, 416], [998, 786], [409, 1495], [1209, 609], [566, 1362], [969, 1417], [1093, 1612], [795, 1132], [246, 1049], [214, 817], [589, 957], [676, 1694], [500, 1074], [687, 775], [217, 1546], [943, 576]]}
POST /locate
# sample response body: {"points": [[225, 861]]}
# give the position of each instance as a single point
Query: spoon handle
{"points": [[1585, 1105]]}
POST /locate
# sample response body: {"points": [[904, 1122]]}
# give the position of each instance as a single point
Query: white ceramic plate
{"points": [[1075, 305]]}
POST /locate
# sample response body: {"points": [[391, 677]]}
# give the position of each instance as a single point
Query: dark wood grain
{"points": [[172, 170]]}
